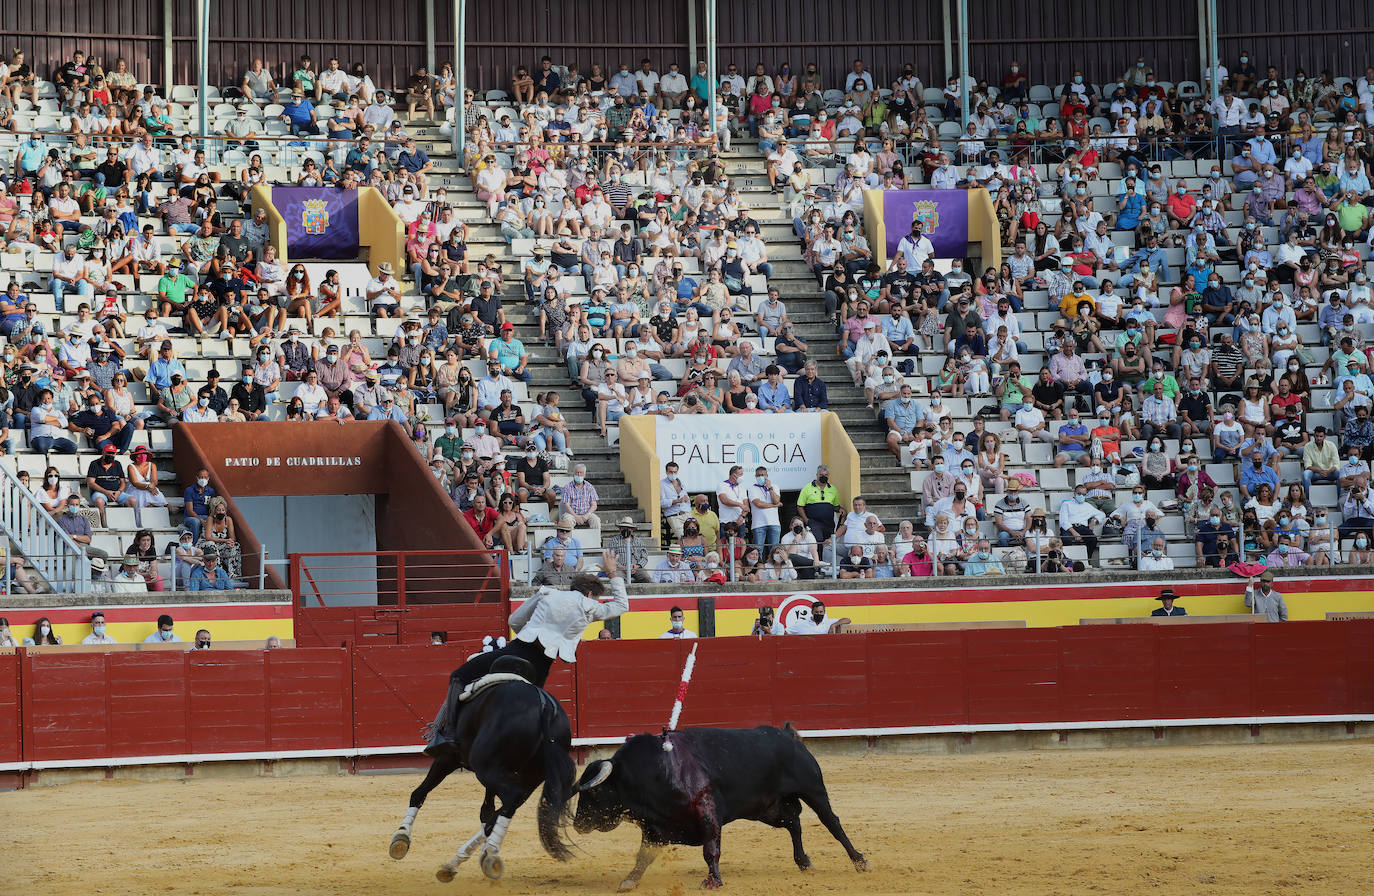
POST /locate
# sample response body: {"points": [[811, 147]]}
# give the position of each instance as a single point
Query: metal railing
{"points": [[60, 561]]}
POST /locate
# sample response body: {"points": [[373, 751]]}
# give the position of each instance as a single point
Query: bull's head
{"points": [[598, 805]]}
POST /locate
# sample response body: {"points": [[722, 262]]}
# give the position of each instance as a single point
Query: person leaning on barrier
{"points": [[1262, 598]]}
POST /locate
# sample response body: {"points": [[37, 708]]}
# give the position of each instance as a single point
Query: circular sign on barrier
{"points": [[795, 607]]}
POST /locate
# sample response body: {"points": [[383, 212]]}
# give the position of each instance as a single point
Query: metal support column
{"points": [[203, 64], [711, 72], [963, 65], [948, 19], [460, 75], [691, 67], [168, 18], [1212, 46], [1202, 43], [429, 38]]}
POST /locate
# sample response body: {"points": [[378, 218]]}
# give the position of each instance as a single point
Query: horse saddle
{"points": [[506, 668]]}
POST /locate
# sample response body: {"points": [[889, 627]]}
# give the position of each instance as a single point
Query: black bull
{"points": [[684, 786]]}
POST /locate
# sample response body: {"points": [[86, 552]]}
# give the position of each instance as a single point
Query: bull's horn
{"points": [[602, 773]]}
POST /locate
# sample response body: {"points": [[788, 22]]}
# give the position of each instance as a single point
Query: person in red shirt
{"points": [[1181, 206], [482, 519], [1109, 437]]}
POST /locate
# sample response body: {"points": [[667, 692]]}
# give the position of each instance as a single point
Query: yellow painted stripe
{"points": [[186, 627], [1036, 613]]}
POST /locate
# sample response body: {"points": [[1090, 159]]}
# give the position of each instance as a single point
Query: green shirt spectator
{"points": [[173, 286]]}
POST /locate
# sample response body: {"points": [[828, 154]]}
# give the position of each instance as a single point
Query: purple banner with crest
{"points": [[321, 222], [943, 215]]}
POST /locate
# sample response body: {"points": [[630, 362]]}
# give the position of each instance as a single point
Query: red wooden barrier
{"points": [[56, 706], [309, 699], [11, 725]]}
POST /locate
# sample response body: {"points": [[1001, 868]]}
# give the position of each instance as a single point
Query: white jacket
{"points": [[557, 619]]}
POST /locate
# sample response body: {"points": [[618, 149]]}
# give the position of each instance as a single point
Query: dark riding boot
{"points": [[443, 733]]}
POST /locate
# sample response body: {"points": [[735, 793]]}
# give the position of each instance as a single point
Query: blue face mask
{"points": [[1080, 498]]}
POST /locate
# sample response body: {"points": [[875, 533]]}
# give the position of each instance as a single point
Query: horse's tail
{"points": [[559, 774]]}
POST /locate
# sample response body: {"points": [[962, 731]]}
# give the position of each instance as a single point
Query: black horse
{"points": [[513, 736]]}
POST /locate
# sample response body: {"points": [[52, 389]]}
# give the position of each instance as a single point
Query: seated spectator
{"points": [[982, 562], [672, 569], [210, 575], [855, 564]]}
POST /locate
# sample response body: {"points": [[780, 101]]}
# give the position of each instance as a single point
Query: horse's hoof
{"points": [[712, 883], [492, 866], [628, 884], [444, 874], [400, 845]]}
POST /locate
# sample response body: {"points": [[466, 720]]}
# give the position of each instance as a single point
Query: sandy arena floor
{"points": [[1197, 820]]}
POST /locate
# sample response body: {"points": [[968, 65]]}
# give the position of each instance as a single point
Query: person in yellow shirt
{"points": [[1070, 306], [706, 519]]}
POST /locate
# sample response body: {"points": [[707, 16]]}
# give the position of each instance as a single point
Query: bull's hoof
{"points": [[400, 845], [492, 866], [627, 885], [445, 874], [861, 864], [712, 883]]}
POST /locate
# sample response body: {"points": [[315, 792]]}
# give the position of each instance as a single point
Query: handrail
{"points": [[57, 558]]}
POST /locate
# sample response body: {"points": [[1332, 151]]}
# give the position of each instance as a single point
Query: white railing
{"points": [[60, 561]]}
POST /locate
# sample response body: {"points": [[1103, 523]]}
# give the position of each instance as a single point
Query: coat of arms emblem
{"points": [[315, 216], [928, 213]]}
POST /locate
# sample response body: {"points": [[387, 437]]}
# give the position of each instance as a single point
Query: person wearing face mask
{"points": [[1131, 515], [48, 427], [219, 533], [677, 626], [1079, 521], [819, 501], [43, 634], [200, 411], [1262, 597], [77, 526], [98, 633], [6, 635], [1205, 539]]}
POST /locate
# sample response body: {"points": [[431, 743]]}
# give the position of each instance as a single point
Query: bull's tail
{"points": [[789, 730], [559, 775]]}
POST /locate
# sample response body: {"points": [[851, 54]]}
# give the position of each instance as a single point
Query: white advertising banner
{"points": [[706, 447]]}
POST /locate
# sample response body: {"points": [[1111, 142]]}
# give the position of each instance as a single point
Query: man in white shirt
{"points": [[383, 292], [781, 160], [671, 570], [674, 501], [733, 498], [733, 78], [98, 634], [814, 621], [1155, 560], [869, 538], [916, 246], [68, 271], [1079, 521], [332, 82], [144, 157], [646, 79], [676, 625], [672, 87], [200, 412]]}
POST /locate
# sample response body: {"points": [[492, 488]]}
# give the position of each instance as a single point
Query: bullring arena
{"points": [[1286, 818], [988, 398]]}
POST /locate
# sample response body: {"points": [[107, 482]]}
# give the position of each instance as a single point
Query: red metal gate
{"points": [[398, 597]]}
